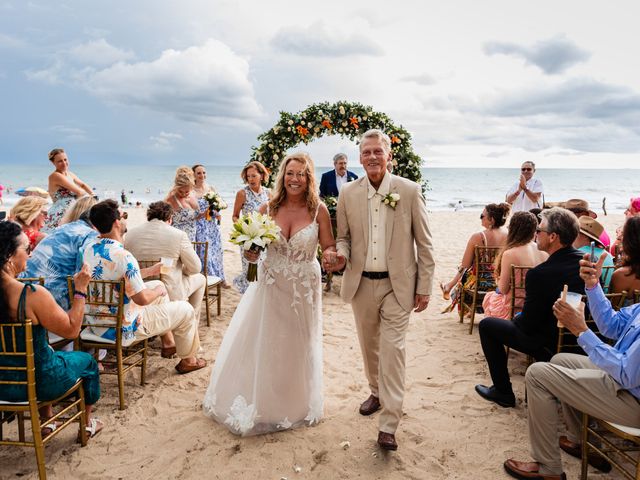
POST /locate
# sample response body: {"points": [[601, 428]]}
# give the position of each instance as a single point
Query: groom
{"points": [[385, 244]]}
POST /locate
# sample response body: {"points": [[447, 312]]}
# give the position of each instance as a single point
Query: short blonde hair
{"points": [[279, 191], [184, 178], [81, 205], [27, 209], [261, 169]]}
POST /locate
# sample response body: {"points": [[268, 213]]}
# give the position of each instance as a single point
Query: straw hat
{"points": [[591, 228], [577, 205]]}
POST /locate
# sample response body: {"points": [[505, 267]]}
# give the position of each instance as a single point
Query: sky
{"points": [[478, 84]]}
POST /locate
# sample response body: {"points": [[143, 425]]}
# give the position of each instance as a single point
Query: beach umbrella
{"points": [[36, 191]]}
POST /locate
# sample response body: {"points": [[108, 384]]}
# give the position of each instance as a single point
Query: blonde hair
{"points": [[280, 193], [27, 209], [54, 152], [260, 168], [81, 205], [184, 178]]}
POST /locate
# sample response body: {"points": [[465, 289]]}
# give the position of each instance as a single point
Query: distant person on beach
{"points": [[268, 373], [627, 277], [123, 197], [459, 206], [387, 253], [534, 331], [527, 192], [208, 229], [520, 249], [602, 384], [333, 180], [494, 234], [64, 188], [147, 309], [254, 194], [30, 213], [1, 191], [184, 202]]}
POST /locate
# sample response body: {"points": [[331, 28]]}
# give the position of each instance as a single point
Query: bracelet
{"points": [[79, 294]]}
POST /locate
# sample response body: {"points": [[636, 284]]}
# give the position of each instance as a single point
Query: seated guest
{"points": [[633, 210], [59, 254], [30, 213], [332, 181], [156, 239], [627, 277], [492, 218], [581, 209], [605, 383], [147, 310], [56, 372], [520, 250], [534, 331], [591, 231]]}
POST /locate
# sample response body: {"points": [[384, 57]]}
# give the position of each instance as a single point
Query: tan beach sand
{"points": [[447, 432]]}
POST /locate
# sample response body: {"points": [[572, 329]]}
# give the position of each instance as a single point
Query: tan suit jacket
{"points": [[156, 239], [409, 250]]}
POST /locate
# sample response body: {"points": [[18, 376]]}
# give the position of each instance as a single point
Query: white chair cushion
{"points": [[628, 430], [89, 336], [213, 280], [2, 402]]}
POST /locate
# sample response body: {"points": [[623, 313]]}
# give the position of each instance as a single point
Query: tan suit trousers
{"points": [[195, 286], [579, 386], [162, 316], [382, 324]]}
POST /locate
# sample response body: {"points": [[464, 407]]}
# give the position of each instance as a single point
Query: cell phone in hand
{"points": [[3, 215], [592, 255]]}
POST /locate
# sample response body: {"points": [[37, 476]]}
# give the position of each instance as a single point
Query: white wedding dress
{"points": [[268, 372]]}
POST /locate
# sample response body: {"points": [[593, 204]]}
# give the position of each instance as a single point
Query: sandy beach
{"points": [[447, 432]]}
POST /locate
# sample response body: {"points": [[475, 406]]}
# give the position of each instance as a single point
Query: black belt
{"points": [[375, 275]]}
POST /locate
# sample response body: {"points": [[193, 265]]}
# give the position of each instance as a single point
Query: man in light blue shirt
{"points": [[604, 384]]}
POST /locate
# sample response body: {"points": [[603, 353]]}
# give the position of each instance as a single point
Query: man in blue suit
{"points": [[332, 181]]}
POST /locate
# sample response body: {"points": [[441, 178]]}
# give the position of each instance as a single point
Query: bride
{"points": [[268, 371]]}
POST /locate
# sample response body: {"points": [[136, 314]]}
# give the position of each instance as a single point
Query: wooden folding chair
{"points": [[605, 277], [636, 296], [566, 339], [517, 290], [214, 284], [16, 340], [484, 258], [146, 264], [613, 442], [105, 306]]}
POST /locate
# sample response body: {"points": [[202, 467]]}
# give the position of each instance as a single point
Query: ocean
{"points": [[475, 187]]}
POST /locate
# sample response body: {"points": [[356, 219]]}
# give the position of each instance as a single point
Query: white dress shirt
{"points": [[376, 260], [341, 180]]}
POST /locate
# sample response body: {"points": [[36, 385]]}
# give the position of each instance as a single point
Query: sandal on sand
{"points": [[445, 293], [183, 368], [168, 352], [49, 428], [95, 427]]}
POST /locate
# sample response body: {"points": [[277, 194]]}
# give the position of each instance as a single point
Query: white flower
{"points": [[290, 122], [271, 145], [391, 199], [242, 416], [275, 156], [344, 124], [288, 129], [341, 110]]}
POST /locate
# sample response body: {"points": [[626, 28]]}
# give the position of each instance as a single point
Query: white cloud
{"points": [[10, 41], [99, 53], [165, 141], [552, 56], [207, 82], [70, 134], [421, 79], [318, 40]]}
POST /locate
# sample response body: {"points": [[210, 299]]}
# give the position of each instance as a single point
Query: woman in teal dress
{"points": [[254, 174], [64, 188], [56, 372]]}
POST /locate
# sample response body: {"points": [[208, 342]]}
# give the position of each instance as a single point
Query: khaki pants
{"points": [[162, 316], [195, 286], [579, 386], [382, 324]]}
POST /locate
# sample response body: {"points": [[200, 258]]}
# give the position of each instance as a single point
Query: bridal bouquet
{"points": [[254, 232], [216, 203]]}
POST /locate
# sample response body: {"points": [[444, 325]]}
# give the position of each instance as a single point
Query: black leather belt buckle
{"points": [[375, 275]]}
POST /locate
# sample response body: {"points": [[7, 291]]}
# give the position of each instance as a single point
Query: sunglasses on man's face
{"points": [[124, 215], [526, 169]]}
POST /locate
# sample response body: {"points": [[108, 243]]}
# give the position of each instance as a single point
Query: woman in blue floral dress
{"points": [[208, 230], [254, 174], [64, 188], [184, 203]]}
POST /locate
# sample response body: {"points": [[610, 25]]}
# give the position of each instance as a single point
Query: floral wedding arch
{"points": [[347, 119]]}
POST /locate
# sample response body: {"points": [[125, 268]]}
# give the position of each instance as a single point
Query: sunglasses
{"points": [[482, 216], [526, 169], [124, 215]]}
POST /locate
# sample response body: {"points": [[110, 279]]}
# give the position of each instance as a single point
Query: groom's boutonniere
{"points": [[391, 199]]}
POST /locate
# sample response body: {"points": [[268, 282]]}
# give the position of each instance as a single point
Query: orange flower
{"points": [[327, 124], [354, 122], [302, 131], [395, 139]]}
